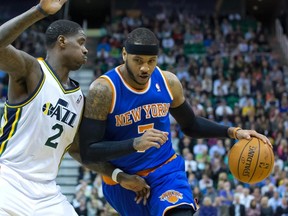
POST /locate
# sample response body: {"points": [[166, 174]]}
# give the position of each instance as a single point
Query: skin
{"points": [[23, 69]]}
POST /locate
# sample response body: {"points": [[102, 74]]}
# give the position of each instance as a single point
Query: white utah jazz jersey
{"points": [[35, 135]]}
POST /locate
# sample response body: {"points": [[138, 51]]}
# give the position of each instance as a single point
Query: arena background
{"points": [[232, 56]]}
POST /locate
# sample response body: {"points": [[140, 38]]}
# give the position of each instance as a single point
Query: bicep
{"points": [[98, 100], [16, 62]]}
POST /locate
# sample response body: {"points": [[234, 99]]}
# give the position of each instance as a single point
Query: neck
{"points": [[61, 71]]}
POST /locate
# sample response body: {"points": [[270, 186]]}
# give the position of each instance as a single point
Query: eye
{"points": [[152, 61], [138, 61]]}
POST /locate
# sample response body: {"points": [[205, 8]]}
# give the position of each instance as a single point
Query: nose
{"points": [[85, 51], [145, 67]]}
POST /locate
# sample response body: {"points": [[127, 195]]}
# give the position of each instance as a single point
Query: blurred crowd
{"points": [[230, 74]]}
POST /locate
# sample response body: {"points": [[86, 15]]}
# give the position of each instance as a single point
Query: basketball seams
{"points": [[256, 165], [271, 160], [238, 166]]}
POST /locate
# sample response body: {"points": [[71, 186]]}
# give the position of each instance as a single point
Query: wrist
{"points": [[115, 174], [40, 9], [232, 132], [135, 144]]}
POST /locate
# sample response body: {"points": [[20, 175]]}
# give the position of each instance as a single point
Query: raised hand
{"points": [[51, 6], [137, 184], [151, 138]]}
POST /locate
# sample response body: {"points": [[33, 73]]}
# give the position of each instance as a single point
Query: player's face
{"points": [[76, 52], [139, 69]]}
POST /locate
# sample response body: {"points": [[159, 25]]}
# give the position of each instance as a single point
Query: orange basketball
{"points": [[251, 161]]}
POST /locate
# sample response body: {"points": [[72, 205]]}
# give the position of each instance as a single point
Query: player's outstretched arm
{"points": [[14, 61], [181, 110], [198, 127], [93, 126]]}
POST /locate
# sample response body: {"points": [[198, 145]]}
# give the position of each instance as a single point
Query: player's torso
{"points": [[135, 111], [36, 134]]}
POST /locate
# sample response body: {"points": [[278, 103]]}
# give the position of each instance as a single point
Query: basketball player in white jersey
{"points": [[41, 114]]}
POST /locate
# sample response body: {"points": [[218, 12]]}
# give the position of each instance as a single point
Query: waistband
{"points": [[108, 180]]}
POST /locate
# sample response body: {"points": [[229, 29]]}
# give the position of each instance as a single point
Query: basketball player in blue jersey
{"points": [[129, 103], [41, 115]]}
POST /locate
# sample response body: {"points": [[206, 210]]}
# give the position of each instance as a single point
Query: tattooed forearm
{"points": [[98, 101]]}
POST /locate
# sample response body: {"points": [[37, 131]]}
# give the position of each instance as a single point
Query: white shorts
{"points": [[20, 197]]}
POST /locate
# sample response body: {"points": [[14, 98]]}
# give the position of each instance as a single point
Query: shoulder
{"points": [[170, 77], [99, 99], [100, 88], [175, 87]]}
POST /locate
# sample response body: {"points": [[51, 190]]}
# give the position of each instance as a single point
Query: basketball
{"points": [[251, 161]]}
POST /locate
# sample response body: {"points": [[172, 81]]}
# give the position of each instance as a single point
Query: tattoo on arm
{"points": [[98, 101]]}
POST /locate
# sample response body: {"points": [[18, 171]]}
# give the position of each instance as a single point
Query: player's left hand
{"points": [[248, 134], [136, 184]]}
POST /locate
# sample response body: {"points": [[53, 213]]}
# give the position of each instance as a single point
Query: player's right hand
{"points": [[51, 6], [151, 138]]}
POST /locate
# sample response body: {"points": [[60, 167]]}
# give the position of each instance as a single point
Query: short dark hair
{"points": [[142, 36], [60, 27], [142, 41]]}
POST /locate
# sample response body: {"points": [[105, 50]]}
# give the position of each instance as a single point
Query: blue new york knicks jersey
{"points": [[135, 111]]}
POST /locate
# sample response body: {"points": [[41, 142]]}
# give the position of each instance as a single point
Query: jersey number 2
{"points": [[51, 140]]}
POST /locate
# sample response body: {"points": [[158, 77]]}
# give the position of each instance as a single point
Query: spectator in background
{"points": [[207, 208], [220, 86], [282, 209], [211, 193], [243, 84], [218, 149], [205, 182], [265, 209], [190, 163], [103, 48], [223, 110], [81, 210], [246, 198], [225, 191], [237, 208], [254, 209], [275, 201]]}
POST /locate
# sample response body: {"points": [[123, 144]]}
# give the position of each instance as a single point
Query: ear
{"points": [[124, 54], [61, 41]]}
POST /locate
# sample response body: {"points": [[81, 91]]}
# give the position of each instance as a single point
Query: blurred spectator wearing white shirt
{"points": [[190, 162], [246, 198]]}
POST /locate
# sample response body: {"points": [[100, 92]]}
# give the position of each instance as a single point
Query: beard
{"points": [[131, 75]]}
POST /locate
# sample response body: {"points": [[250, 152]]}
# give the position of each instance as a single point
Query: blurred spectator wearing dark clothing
{"points": [[237, 208]]}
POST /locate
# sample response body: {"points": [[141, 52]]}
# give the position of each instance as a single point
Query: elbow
{"points": [[188, 132]]}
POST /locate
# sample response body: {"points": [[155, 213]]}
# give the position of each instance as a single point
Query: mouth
{"points": [[85, 58], [144, 78]]}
